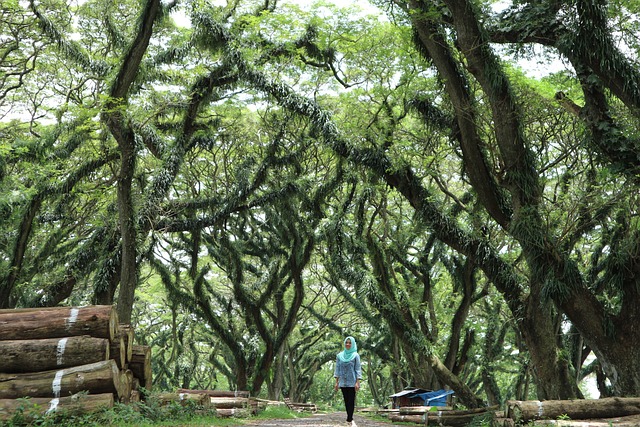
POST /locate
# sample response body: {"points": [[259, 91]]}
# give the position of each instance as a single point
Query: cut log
{"points": [[229, 402], [77, 404], [439, 418], [413, 410], [140, 365], [442, 410], [416, 419], [456, 418], [118, 350], [267, 402], [47, 354], [582, 409], [95, 378], [200, 399], [300, 406], [126, 331], [234, 412], [217, 393], [629, 421], [99, 321], [126, 385]]}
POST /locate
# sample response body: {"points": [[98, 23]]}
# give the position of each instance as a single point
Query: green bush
{"points": [[147, 413]]}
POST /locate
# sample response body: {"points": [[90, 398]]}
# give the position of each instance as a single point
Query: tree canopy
{"points": [[250, 181]]}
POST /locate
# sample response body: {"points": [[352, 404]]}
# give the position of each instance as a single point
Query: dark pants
{"points": [[349, 394]]}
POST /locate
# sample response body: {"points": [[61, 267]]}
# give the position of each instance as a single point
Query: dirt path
{"points": [[321, 420]]}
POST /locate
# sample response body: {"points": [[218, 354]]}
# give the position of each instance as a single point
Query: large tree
{"points": [[223, 154]]}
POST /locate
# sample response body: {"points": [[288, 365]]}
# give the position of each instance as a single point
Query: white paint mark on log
{"points": [[73, 317], [540, 409], [57, 383], [53, 405], [62, 344]]}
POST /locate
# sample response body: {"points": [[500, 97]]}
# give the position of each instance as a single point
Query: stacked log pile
{"points": [[438, 416], [226, 403], [300, 406], [77, 359], [618, 411]]}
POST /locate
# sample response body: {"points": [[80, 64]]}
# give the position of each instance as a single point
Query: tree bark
{"points": [[98, 321], [96, 378], [125, 138], [20, 356], [26, 226]]}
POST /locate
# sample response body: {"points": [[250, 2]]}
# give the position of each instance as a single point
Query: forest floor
{"points": [[334, 419]]}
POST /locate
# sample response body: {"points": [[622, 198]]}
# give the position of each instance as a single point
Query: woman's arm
{"points": [[358, 369]]}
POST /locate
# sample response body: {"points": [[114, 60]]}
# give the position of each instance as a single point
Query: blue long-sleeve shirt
{"points": [[348, 372]]}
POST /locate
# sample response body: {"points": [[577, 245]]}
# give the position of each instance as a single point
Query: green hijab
{"points": [[348, 355]]}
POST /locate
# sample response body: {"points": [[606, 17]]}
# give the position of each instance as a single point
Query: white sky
{"points": [[363, 5]]}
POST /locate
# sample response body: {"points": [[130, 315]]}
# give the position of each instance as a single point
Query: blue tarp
{"points": [[435, 398]]}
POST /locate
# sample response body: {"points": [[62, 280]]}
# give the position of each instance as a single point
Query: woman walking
{"points": [[348, 373]]}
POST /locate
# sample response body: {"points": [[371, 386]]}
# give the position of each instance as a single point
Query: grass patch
{"points": [[150, 413], [279, 412]]}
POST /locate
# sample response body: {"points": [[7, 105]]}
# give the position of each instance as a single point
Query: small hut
{"points": [[419, 397], [407, 397]]}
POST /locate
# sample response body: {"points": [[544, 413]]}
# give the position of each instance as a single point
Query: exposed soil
{"points": [[334, 419]]}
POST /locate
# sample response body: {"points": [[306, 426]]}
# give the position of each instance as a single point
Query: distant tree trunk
{"points": [[275, 391], [126, 140], [622, 363], [293, 379], [128, 276], [111, 268], [20, 247], [242, 378], [552, 369]]}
